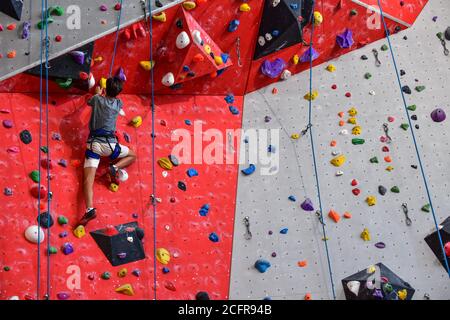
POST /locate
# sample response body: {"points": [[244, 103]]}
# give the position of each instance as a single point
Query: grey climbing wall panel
{"points": [[265, 198], [94, 24]]}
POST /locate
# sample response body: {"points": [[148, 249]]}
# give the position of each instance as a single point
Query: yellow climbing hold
{"points": [[136, 122], [402, 294], [390, 168], [352, 120], [371, 200], [122, 272], [244, 7], [331, 68], [371, 269], [98, 59], [207, 49], [356, 131], [103, 83], [114, 187], [295, 136], [147, 65], [312, 96], [189, 5], [161, 17], [162, 255], [295, 59], [318, 18], [365, 235], [79, 232], [352, 112], [126, 289], [218, 60], [165, 163], [338, 161]]}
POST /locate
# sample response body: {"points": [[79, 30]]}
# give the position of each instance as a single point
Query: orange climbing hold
{"points": [[274, 91], [308, 296], [388, 159], [302, 264], [334, 215], [12, 54], [333, 143], [341, 123], [347, 215], [341, 114], [198, 58]]}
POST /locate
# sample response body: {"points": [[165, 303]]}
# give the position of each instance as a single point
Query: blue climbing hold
{"points": [[275, 33], [188, 122], [262, 265], [192, 173], [249, 170], [234, 110], [214, 237], [234, 24], [284, 231], [246, 140], [165, 270], [294, 6], [225, 57], [229, 98], [186, 68], [292, 198], [271, 148], [204, 210]]}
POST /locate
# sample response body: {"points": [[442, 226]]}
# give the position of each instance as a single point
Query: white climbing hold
{"points": [[14, 298], [370, 285], [91, 81], [343, 132], [335, 153], [261, 41], [372, 93], [130, 239], [197, 37], [182, 40], [32, 232], [353, 286], [286, 75], [168, 80], [275, 3], [268, 37], [165, 174], [339, 173]]}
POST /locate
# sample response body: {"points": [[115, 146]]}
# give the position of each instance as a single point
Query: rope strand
{"points": [[116, 40]]}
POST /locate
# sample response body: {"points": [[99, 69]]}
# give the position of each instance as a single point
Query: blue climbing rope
{"points": [[314, 156], [152, 83], [414, 138], [116, 40]]}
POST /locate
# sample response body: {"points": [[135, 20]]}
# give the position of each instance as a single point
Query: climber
{"points": [[102, 142]]}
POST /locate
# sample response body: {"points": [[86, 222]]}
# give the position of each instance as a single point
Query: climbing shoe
{"points": [[113, 173], [88, 216]]}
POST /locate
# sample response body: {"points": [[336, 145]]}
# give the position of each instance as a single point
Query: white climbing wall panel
{"points": [[264, 199], [94, 24]]}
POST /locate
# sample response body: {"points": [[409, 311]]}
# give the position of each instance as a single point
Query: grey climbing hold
{"points": [[174, 160], [382, 190]]}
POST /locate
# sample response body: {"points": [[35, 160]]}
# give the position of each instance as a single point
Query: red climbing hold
{"points": [[58, 38], [334, 87], [118, 6], [35, 192], [356, 191], [11, 26], [385, 149], [348, 94], [354, 182]]}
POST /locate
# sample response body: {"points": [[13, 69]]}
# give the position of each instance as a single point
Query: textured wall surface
{"points": [[265, 198]]}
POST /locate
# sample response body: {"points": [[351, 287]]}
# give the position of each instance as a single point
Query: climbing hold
{"points": [[345, 39], [34, 175], [229, 98], [286, 74], [165, 163], [67, 248], [380, 245], [25, 136], [64, 83], [126, 289], [367, 75], [106, 275], [233, 110], [356, 191], [7, 124], [245, 7], [122, 272], [395, 189], [438, 115], [354, 286], [338, 161], [147, 65], [79, 232], [63, 234], [26, 30], [357, 141], [34, 234], [45, 220], [384, 47], [174, 160], [213, 237], [136, 121], [161, 17], [382, 190], [273, 69], [7, 192], [365, 235], [39, 193], [168, 79], [352, 120], [62, 220], [204, 210], [307, 296], [189, 5], [347, 215], [302, 263], [52, 250], [406, 89], [402, 294], [310, 96], [248, 171], [426, 208], [114, 187], [62, 296], [192, 172], [309, 54], [233, 26], [356, 130], [307, 205], [331, 68], [295, 59], [262, 265], [284, 231], [78, 57], [371, 200], [412, 107], [182, 40], [182, 186], [385, 149], [295, 136], [390, 168], [404, 126], [318, 18], [334, 216], [136, 272], [420, 88], [292, 198], [163, 256], [354, 182]]}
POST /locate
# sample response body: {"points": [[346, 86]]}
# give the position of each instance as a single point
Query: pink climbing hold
{"points": [[391, 119], [118, 6], [103, 7]]}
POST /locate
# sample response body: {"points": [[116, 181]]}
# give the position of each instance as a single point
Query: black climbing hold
{"points": [[182, 185], [25, 137], [417, 126], [397, 29], [158, 4], [174, 160], [406, 90], [402, 72], [414, 166], [45, 220], [12, 8], [179, 23], [382, 190], [414, 117], [364, 57], [405, 38], [447, 34], [201, 295]]}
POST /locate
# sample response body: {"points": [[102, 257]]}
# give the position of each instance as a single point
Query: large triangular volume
{"points": [[186, 53], [12, 8], [435, 245]]}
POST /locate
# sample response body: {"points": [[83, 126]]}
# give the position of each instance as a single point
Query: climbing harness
{"points": [[101, 133], [375, 54], [386, 132], [405, 105], [441, 37], [248, 234], [405, 211], [238, 51]]}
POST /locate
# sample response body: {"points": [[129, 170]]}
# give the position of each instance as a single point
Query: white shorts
{"points": [[104, 150]]}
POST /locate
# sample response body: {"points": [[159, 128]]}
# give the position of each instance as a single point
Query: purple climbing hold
{"points": [[78, 57], [309, 54], [103, 8], [378, 294], [274, 254], [7, 192], [380, 245], [273, 69], [122, 255], [62, 295], [7, 124], [56, 136], [438, 115], [270, 232], [135, 215], [307, 205], [63, 163], [127, 137], [63, 234], [26, 30], [67, 248], [120, 74], [136, 272], [345, 39], [267, 119]]}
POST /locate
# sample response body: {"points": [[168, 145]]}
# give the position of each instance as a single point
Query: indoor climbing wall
{"points": [[85, 273], [69, 27], [364, 235]]}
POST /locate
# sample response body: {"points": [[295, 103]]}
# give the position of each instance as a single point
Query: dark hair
{"points": [[201, 295], [114, 87]]}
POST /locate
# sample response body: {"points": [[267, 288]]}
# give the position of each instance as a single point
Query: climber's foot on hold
{"points": [[113, 173], [88, 216]]}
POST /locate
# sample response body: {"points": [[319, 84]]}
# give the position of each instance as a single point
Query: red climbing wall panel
{"points": [[197, 263]]}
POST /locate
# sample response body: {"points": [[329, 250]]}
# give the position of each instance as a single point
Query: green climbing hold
{"points": [[65, 84], [41, 24], [52, 250], [44, 149], [34, 175], [440, 35], [62, 220], [412, 107], [6, 268], [404, 126], [420, 88], [388, 287], [353, 12], [368, 75], [357, 141], [373, 160], [426, 208], [384, 47], [55, 11], [106, 275], [395, 189]]}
